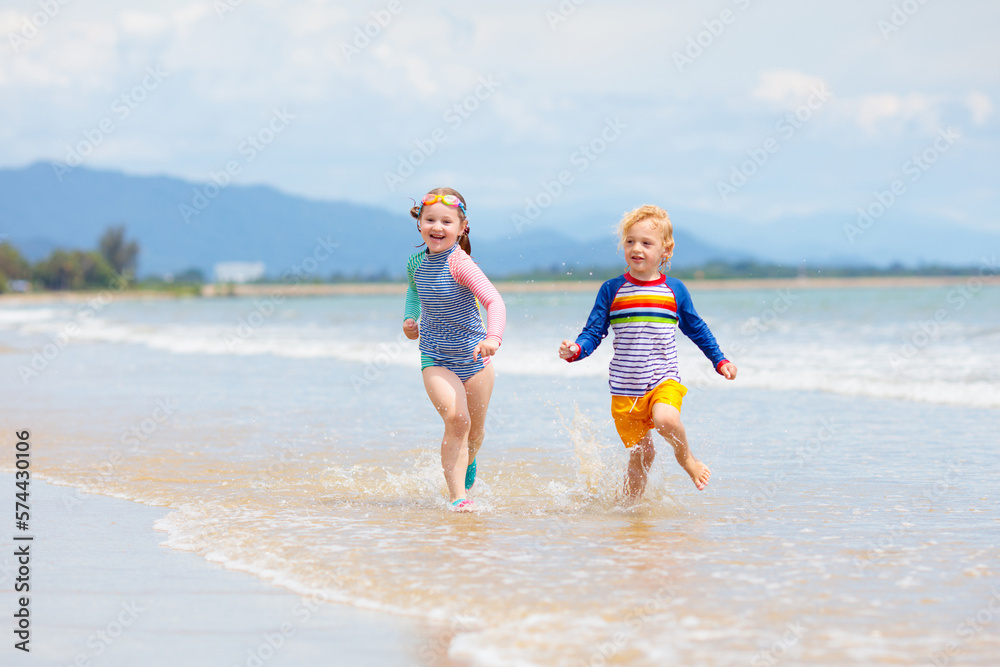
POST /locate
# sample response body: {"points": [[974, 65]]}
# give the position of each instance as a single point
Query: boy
{"points": [[643, 307]]}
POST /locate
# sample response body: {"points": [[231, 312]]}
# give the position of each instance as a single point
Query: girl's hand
{"points": [[486, 348], [728, 370], [568, 349], [410, 329]]}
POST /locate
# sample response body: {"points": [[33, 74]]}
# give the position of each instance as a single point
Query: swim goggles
{"points": [[447, 200]]}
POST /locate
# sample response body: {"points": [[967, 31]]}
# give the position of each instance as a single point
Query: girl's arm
{"points": [[692, 326], [411, 310], [465, 272], [596, 328]]}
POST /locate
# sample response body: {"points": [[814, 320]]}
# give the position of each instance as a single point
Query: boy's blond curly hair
{"points": [[660, 220]]}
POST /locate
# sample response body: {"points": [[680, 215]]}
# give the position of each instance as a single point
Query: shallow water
{"points": [[852, 516]]}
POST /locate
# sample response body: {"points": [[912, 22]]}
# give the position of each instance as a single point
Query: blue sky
{"points": [[748, 113]]}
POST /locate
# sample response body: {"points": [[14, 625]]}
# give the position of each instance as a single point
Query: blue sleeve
{"points": [[692, 326], [597, 325]]}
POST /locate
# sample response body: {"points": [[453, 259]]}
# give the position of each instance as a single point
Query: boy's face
{"points": [[644, 250]]}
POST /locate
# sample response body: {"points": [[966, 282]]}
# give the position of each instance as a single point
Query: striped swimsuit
{"points": [[643, 316], [442, 292]]}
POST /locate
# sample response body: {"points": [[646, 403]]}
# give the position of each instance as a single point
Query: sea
{"points": [[852, 517]]}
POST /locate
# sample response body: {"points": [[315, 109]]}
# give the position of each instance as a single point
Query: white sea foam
{"points": [[959, 365], [13, 317]]}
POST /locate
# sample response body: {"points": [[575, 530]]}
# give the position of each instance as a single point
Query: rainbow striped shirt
{"points": [[644, 316]]}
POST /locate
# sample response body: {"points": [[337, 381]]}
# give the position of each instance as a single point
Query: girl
{"points": [[643, 307], [455, 348]]}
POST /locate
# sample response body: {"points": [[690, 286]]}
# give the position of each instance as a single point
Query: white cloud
{"points": [[787, 88], [142, 24], [189, 15], [980, 105], [880, 111]]}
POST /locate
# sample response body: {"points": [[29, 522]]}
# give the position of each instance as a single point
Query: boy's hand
{"points": [[486, 348], [568, 349], [410, 329], [728, 370]]}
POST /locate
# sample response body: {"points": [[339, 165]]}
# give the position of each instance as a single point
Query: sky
{"points": [[554, 114]]}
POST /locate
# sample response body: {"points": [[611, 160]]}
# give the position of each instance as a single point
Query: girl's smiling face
{"points": [[644, 250], [440, 226]]}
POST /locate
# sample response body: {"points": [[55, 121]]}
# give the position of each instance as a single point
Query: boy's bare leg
{"points": [[667, 420], [640, 460]]}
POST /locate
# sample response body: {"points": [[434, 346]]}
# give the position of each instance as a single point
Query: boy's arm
{"points": [[596, 328], [692, 326]]}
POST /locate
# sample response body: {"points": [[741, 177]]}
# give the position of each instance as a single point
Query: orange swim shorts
{"points": [[633, 415]]}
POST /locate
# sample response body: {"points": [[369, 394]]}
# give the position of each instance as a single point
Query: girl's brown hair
{"points": [[463, 238]]}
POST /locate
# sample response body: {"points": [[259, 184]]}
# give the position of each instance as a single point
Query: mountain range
{"points": [[181, 225]]}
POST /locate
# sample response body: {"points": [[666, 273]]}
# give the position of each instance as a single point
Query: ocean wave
{"points": [[948, 370]]}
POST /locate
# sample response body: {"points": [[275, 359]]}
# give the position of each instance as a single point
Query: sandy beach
{"points": [[505, 287], [104, 592], [522, 287]]}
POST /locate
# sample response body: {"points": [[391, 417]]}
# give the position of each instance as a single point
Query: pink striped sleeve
{"points": [[465, 272]]}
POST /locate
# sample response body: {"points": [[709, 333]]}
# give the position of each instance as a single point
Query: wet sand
{"points": [[104, 592]]}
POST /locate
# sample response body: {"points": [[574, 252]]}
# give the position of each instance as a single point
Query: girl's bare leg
{"points": [[448, 396], [667, 420], [478, 390]]}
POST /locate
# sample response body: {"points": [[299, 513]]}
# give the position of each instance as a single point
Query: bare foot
{"points": [[699, 472]]}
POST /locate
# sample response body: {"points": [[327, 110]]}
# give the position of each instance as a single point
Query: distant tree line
{"points": [[723, 270], [114, 261]]}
